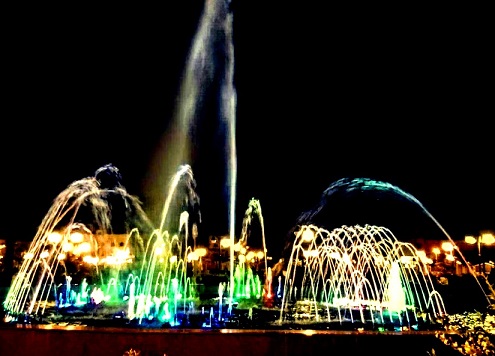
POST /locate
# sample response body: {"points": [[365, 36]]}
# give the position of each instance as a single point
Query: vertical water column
{"points": [[229, 100]]}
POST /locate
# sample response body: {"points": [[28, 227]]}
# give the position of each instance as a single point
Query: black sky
{"points": [[401, 95]]}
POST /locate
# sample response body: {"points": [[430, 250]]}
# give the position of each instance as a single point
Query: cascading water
{"points": [[357, 274], [359, 185], [76, 260], [81, 265]]}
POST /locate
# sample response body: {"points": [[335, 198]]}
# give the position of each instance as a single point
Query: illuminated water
{"points": [[77, 269], [348, 186], [84, 269], [355, 273]]}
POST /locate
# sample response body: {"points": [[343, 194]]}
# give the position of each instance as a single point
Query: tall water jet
{"points": [[207, 86], [229, 100]]}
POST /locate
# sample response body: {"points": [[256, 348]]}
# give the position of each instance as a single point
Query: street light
{"points": [[436, 251], [447, 246], [485, 238]]}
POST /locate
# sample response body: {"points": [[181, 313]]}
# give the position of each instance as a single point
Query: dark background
{"points": [[396, 94]]}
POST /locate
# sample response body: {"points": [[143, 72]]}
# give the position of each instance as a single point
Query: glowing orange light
{"points": [[67, 247], [225, 242], [76, 237], [250, 256], [308, 235], [487, 239], [54, 237], [470, 240], [192, 256], [447, 246], [201, 251]]}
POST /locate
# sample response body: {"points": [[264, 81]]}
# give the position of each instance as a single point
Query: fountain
{"points": [[347, 186], [78, 269], [81, 270], [98, 260]]}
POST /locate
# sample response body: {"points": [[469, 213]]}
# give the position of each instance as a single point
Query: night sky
{"points": [[394, 94]]}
